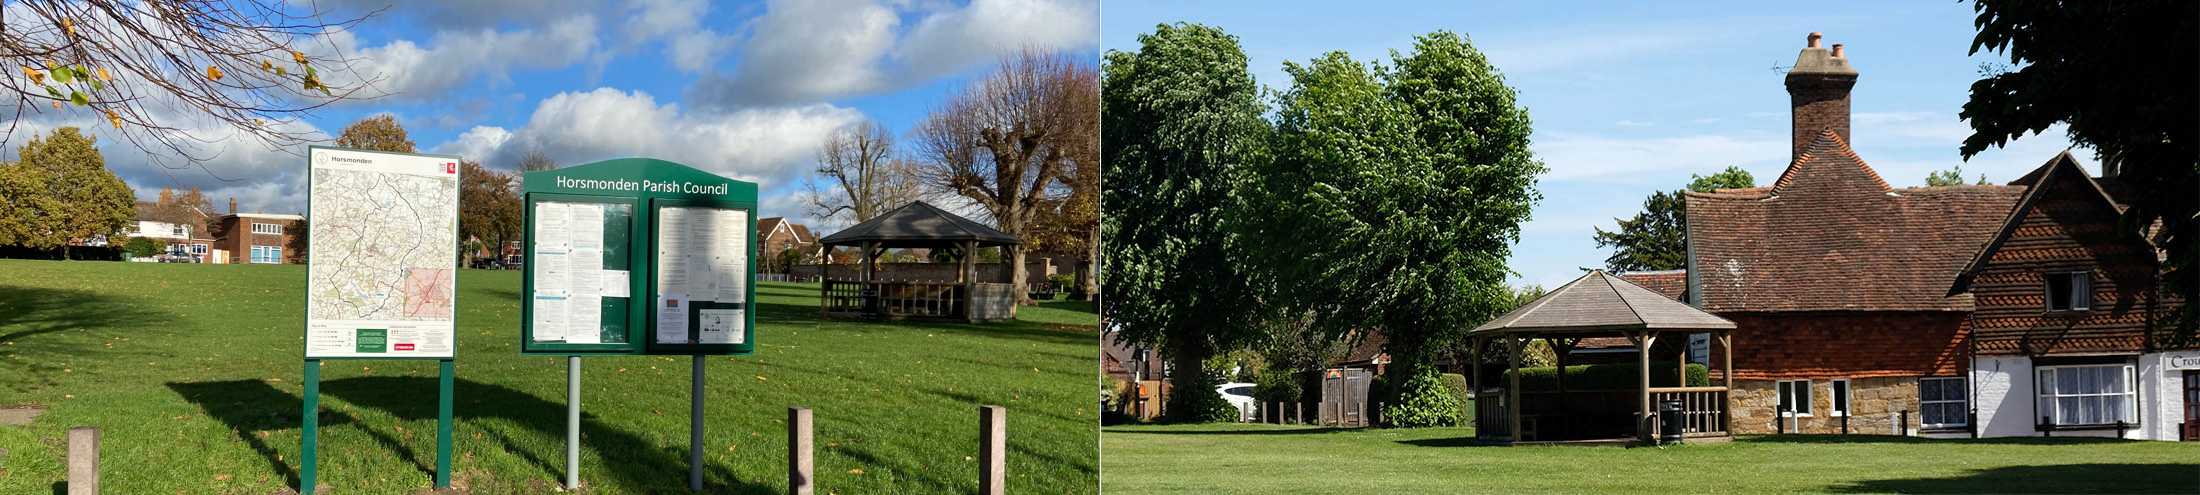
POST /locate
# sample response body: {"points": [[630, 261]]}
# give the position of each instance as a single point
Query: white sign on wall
{"points": [[2188, 360], [382, 254]]}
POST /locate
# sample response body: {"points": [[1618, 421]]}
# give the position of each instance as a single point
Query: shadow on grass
{"points": [[635, 461], [1277, 431], [251, 408], [39, 326], [2064, 478], [1465, 441], [1892, 439]]}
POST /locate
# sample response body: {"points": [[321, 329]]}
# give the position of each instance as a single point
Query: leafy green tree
{"points": [[144, 247], [67, 194], [1657, 238], [1182, 117], [1950, 177], [380, 132], [1394, 200], [488, 207], [2121, 76]]}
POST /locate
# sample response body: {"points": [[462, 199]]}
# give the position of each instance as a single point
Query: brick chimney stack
{"points": [[232, 205], [1818, 93]]}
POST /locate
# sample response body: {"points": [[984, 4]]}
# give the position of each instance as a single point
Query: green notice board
{"points": [[638, 256]]}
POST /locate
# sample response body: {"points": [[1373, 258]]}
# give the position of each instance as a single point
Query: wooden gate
{"points": [[1344, 397]]}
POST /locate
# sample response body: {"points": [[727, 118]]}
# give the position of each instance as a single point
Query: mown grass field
{"points": [[192, 372], [1268, 459]]}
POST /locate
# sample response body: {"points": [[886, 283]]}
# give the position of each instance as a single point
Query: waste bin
{"points": [[1670, 424]]}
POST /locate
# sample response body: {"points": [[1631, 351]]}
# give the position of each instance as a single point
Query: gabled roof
{"points": [[2039, 181], [1831, 235], [1673, 284], [920, 222], [1598, 302]]}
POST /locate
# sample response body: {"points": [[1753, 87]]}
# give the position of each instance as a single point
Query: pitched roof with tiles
{"points": [[1831, 235], [1599, 302], [1673, 284], [920, 222]]}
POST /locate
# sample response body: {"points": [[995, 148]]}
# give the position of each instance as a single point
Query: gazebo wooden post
{"points": [[1642, 353], [1561, 351], [825, 284], [1680, 362], [869, 293], [1726, 370], [1513, 407], [970, 281], [1474, 367]]}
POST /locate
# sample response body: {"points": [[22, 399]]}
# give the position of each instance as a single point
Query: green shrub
{"points": [[144, 248], [1277, 386], [1456, 384], [1199, 402], [1605, 376], [1423, 401]]}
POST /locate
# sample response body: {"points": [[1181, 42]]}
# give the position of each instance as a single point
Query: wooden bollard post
{"points": [[801, 463], [83, 461], [992, 450], [1298, 412]]}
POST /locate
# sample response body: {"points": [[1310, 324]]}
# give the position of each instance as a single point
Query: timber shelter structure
{"points": [[917, 225]]}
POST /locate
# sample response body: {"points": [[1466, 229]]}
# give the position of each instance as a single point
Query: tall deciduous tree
{"points": [[380, 133], [1006, 142], [1657, 238], [160, 70], [536, 161], [488, 206], [2121, 76], [864, 175], [1394, 200], [70, 195], [1182, 121]]}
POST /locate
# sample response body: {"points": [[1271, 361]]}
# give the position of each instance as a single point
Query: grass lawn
{"points": [[192, 372], [1290, 459]]}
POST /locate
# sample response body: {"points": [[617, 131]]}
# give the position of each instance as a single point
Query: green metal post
{"points": [[312, 420], [443, 425]]}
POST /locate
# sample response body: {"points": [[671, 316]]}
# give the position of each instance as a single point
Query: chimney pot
{"points": [[232, 205], [1814, 36], [1837, 50]]}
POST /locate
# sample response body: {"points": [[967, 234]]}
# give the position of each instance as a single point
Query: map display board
{"points": [[638, 256], [381, 278]]}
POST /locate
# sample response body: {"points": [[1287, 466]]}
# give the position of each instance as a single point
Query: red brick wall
{"points": [[1846, 344], [1819, 102]]}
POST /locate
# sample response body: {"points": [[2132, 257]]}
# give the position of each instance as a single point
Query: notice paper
{"points": [[729, 255], [615, 284], [584, 317], [672, 318], [720, 326], [570, 281], [704, 253], [549, 316]]}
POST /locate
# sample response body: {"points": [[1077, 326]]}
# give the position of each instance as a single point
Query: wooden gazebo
{"points": [[917, 225], [1599, 305]]}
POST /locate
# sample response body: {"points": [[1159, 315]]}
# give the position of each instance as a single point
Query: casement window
{"points": [[2069, 291], [2087, 395], [198, 249], [267, 228], [179, 230], [1840, 397], [1943, 402], [1795, 398], [267, 254]]}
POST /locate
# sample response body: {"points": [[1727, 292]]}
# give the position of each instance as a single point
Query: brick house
{"points": [[2067, 336], [1837, 282], [257, 237], [777, 235], [182, 227]]}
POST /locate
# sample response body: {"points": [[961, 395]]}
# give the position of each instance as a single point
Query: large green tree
{"points": [[488, 206], [2121, 75], [1657, 238], [380, 132], [1393, 202], [1182, 117], [60, 193]]}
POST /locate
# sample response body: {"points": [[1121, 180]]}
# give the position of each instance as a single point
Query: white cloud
{"points": [[234, 165], [766, 145], [409, 70], [799, 52]]}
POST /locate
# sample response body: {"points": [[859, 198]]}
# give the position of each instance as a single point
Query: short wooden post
{"points": [[992, 450], [801, 461], [83, 461], [1298, 412]]}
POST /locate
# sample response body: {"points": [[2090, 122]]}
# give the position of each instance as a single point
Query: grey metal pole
{"points": [[695, 427], [572, 422]]}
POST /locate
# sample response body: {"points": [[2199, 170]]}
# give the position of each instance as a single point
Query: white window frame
{"points": [[267, 228], [2046, 400], [179, 231], [1962, 400], [274, 254], [2081, 290], [197, 249], [1840, 395], [1783, 390]]}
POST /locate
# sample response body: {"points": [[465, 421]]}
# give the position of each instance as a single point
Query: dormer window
{"points": [[2069, 291]]}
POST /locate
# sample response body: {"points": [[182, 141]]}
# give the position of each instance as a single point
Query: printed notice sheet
{"points": [[570, 282], [702, 257], [719, 326], [380, 277]]}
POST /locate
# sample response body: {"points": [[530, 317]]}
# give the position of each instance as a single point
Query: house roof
{"points": [[920, 223], [1600, 302], [1368, 350], [1673, 284], [1831, 235], [2061, 167]]}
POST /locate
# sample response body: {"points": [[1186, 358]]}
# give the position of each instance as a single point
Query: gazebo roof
{"points": [[1599, 302], [919, 223]]}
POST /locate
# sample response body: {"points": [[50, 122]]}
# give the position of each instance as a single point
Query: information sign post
{"points": [[381, 275], [638, 256]]}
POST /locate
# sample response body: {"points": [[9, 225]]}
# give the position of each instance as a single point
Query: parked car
{"points": [[1240, 396]]}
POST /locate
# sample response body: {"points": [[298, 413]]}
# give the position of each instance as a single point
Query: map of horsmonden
{"points": [[383, 246]]}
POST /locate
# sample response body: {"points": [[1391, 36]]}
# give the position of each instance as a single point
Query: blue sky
{"points": [[1629, 98], [743, 89]]}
